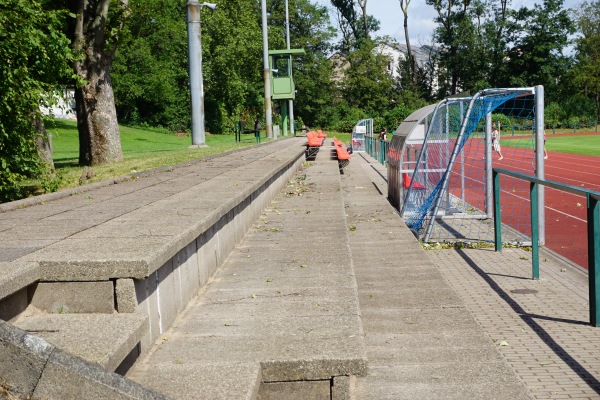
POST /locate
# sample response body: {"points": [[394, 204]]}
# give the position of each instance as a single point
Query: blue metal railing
{"points": [[593, 229]]}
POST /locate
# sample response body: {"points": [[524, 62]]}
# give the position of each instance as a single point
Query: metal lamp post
{"points": [[196, 84]]}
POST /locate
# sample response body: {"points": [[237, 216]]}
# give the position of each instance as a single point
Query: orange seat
{"points": [[313, 140], [406, 181]]}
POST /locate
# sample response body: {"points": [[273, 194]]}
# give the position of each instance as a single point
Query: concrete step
{"points": [[103, 339], [15, 277], [285, 300], [202, 380]]}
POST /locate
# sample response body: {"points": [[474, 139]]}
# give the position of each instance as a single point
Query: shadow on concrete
{"points": [[529, 319]]}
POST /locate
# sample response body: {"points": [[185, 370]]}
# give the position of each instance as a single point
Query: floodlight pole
{"points": [[196, 84], [287, 38], [266, 72]]}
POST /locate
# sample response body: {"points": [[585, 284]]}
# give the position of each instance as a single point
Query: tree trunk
{"points": [[43, 142], [99, 138], [92, 30], [411, 59]]}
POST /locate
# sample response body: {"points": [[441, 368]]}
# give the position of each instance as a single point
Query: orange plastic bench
{"points": [[342, 155]]}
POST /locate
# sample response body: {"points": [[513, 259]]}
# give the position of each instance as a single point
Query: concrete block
{"points": [[68, 377], [146, 294], [104, 339], [340, 389], [15, 276], [13, 305], [203, 380], [125, 295], [167, 295], [317, 390], [74, 297], [23, 357]]}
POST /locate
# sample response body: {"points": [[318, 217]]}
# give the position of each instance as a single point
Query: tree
{"points": [[34, 54], [586, 74], [451, 16], [355, 28], [409, 56], [150, 70], [367, 85], [95, 33], [539, 36], [311, 30]]}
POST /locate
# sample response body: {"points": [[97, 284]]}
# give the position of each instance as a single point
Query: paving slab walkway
{"points": [[539, 327], [422, 341]]}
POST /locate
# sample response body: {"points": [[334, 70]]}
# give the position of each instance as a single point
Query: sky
{"points": [[420, 17]]}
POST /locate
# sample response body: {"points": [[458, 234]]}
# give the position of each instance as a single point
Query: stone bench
{"points": [[122, 260]]}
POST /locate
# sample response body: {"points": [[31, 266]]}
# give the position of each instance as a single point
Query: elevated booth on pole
{"points": [[282, 80]]}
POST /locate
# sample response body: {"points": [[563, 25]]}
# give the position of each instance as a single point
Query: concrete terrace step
{"points": [[16, 276], [136, 232], [31, 367], [284, 305], [421, 340], [103, 339], [125, 258]]}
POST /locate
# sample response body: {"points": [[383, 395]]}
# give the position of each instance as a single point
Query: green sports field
{"points": [[586, 144]]}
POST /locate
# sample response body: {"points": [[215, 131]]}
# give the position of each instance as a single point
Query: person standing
{"points": [[496, 141], [383, 134]]}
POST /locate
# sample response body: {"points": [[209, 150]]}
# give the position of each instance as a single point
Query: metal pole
{"points": [[196, 85], [539, 160], [290, 101], [535, 237], [284, 118], [488, 165], [462, 167], [593, 226], [266, 72], [497, 212]]}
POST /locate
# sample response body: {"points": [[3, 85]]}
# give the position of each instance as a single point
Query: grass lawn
{"points": [[143, 149], [571, 144]]}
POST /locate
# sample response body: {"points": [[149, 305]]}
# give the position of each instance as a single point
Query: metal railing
{"points": [[376, 148], [593, 229]]}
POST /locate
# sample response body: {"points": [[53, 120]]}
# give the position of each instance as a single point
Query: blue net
{"points": [[447, 179]]}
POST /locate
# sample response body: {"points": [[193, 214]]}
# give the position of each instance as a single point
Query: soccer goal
{"points": [[441, 159]]}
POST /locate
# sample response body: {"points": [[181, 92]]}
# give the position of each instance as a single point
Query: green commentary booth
{"points": [[282, 81]]}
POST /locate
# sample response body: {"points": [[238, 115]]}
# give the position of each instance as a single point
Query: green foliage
{"points": [[540, 34], [553, 115], [34, 55], [150, 70], [366, 84], [586, 74]]}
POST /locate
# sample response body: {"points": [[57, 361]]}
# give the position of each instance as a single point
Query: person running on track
{"points": [[496, 141]]}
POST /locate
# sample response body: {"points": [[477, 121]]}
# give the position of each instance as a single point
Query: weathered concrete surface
{"points": [[74, 297], [31, 367], [16, 276], [422, 342], [284, 299], [104, 339], [129, 230]]}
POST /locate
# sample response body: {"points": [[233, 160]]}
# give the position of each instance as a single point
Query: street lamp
{"points": [[196, 85]]}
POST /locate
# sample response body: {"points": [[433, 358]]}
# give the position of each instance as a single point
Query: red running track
{"points": [[566, 226]]}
